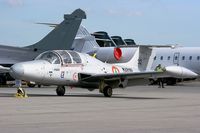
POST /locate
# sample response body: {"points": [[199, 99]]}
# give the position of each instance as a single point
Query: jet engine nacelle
{"points": [[180, 72], [114, 55]]}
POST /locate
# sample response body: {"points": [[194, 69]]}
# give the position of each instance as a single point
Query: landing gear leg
{"points": [[20, 91], [60, 90]]}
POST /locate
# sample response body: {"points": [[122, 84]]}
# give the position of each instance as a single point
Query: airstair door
{"points": [[176, 58]]}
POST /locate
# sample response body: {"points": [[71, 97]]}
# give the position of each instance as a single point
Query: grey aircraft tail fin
{"points": [[84, 41], [62, 36]]}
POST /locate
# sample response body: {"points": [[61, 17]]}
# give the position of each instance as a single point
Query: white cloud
{"points": [[14, 3]]}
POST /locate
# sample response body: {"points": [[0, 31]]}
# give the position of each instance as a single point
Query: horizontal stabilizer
{"points": [[49, 24]]}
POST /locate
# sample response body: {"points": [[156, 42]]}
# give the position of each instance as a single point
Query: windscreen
{"points": [[50, 57]]}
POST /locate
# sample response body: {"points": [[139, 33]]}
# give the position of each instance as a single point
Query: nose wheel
{"points": [[60, 90]]}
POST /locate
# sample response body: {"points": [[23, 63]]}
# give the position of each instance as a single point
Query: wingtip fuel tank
{"points": [[180, 72]]}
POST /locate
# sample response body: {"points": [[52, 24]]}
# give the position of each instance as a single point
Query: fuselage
{"points": [[60, 67], [188, 57]]}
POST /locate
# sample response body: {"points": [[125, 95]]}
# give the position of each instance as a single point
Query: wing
{"points": [[4, 69], [135, 75]]}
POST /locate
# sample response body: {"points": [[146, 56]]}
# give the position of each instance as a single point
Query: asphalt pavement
{"points": [[138, 109]]}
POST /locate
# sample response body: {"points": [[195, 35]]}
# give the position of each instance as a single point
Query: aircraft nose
{"points": [[17, 71]]}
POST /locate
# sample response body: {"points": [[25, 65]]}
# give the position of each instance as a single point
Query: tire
{"points": [[60, 90], [171, 81], [30, 85], [107, 91]]}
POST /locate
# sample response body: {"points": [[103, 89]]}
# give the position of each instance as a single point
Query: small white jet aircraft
{"points": [[70, 68]]}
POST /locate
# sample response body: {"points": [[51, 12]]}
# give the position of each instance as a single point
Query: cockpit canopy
{"points": [[49, 56], [60, 56]]}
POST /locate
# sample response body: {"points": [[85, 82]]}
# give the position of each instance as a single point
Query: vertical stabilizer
{"points": [[144, 57], [84, 41], [141, 59], [62, 36]]}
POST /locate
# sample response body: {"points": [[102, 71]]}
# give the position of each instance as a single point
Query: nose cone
{"points": [[29, 71], [17, 71]]}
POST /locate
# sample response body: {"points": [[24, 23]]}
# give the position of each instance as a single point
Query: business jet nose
{"points": [[17, 71]]}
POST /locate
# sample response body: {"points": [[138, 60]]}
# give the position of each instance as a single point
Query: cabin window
{"points": [[190, 58], [161, 57], [168, 58], [176, 58], [183, 57], [198, 57]]}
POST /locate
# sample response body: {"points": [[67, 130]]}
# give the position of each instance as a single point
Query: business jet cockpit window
{"points": [[51, 57]]}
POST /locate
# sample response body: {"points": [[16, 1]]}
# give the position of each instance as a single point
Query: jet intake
{"points": [[113, 54], [180, 72], [117, 53]]}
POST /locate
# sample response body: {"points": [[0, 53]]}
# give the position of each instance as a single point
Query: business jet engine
{"points": [[114, 55]]}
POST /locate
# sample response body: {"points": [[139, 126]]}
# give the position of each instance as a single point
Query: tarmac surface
{"points": [[139, 109]]}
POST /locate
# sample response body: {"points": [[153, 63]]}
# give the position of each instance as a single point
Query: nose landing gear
{"points": [[20, 91]]}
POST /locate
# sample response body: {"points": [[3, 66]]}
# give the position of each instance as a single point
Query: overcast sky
{"points": [[146, 21]]}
